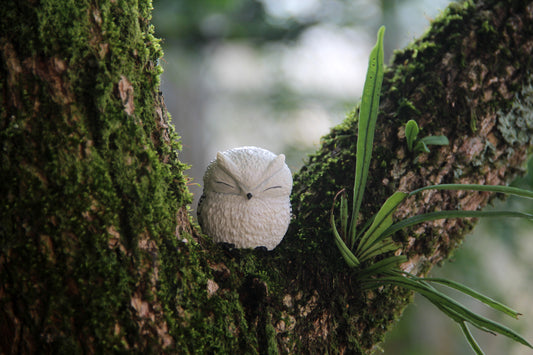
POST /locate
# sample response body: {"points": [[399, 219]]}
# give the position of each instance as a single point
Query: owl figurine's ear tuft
{"points": [[227, 165], [220, 158], [275, 165]]}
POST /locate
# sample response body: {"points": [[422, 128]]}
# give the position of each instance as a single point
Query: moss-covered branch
{"points": [[468, 78], [97, 250]]}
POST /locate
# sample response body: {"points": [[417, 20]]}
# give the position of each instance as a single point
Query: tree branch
{"points": [[468, 78]]}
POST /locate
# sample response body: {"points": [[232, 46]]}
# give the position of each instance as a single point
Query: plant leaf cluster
{"points": [[370, 250], [416, 145]]}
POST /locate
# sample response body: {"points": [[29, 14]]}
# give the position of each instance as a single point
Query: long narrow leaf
{"points": [[365, 226], [467, 291], [368, 114], [473, 343], [456, 315], [450, 309], [475, 294], [382, 247], [344, 215], [479, 322], [474, 187], [432, 216], [348, 256], [382, 221], [442, 300], [382, 266]]}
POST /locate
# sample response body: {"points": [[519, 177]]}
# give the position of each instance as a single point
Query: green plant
{"points": [[374, 240], [421, 145]]}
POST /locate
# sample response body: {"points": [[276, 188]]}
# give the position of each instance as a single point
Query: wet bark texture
{"points": [[98, 252]]}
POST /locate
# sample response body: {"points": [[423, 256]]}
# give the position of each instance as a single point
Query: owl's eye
{"points": [[272, 187], [274, 191], [225, 187], [225, 183]]}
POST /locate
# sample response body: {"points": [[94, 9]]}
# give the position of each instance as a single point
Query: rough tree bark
{"points": [[98, 253]]}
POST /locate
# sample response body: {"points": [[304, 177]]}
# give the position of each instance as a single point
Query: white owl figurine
{"points": [[246, 198]]}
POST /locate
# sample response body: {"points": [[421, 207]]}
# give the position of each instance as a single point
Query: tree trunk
{"points": [[91, 184], [98, 253]]}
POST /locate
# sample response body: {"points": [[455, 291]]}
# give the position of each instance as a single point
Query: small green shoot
{"points": [[421, 145], [411, 133], [374, 241]]}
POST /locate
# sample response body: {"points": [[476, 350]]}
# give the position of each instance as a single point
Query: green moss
{"points": [[407, 110], [199, 322], [270, 333]]}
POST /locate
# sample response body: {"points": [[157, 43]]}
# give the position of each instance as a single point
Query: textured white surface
{"points": [[246, 198]]}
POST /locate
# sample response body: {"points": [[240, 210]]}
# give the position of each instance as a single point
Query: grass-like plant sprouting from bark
{"points": [[375, 237]]}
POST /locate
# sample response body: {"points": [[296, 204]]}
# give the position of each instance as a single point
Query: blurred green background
{"points": [[278, 74]]}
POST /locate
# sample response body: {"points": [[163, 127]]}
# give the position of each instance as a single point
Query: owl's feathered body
{"points": [[246, 200]]}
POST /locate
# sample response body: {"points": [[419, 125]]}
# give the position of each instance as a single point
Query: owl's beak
{"points": [[249, 195]]}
